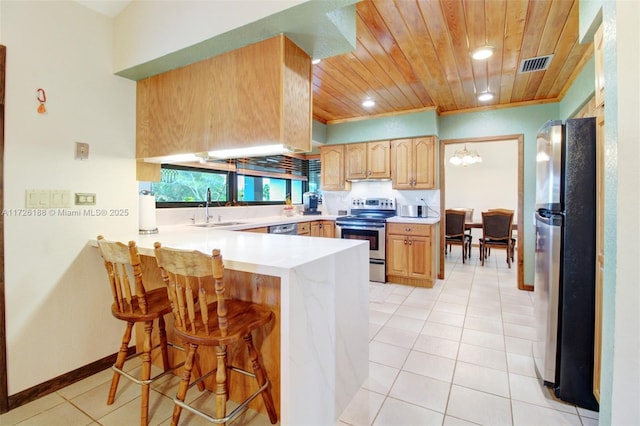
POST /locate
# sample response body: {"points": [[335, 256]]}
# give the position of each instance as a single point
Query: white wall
{"points": [[620, 391], [147, 30], [57, 299], [482, 186]]}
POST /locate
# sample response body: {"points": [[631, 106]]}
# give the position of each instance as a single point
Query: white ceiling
{"points": [[110, 8]]}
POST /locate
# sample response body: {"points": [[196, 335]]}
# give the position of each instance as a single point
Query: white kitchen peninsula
{"points": [[323, 303]]}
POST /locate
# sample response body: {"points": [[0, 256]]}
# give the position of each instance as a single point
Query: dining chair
{"points": [[496, 233], [132, 303], [200, 321], [455, 232], [513, 238]]}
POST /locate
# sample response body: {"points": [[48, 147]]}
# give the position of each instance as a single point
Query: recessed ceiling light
{"points": [[485, 96], [368, 103], [315, 61], [483, 52]]}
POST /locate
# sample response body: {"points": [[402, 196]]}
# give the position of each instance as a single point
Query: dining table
{"points": [[478, 225]]}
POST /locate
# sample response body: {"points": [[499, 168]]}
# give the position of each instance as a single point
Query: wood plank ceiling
{"points": [[414, 55]]}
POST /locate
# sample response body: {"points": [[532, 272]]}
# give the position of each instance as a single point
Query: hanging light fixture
{"points": [[465, 157]]}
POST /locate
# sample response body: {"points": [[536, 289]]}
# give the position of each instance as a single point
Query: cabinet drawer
{"points": [[409, 229], [303, 228]]}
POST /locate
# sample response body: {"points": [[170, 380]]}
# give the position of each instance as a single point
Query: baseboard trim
{"points": [[63, 380]]}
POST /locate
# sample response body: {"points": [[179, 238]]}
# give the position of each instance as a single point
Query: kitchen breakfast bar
{"points": [[316, 352]]}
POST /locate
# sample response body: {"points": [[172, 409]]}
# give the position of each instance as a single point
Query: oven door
{"points": [[374, 234]]}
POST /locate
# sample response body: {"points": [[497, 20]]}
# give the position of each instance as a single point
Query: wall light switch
{"points": [[82, 151], [60, 199], [37, 199]]}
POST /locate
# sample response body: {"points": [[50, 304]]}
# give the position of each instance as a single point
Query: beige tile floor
{"points": [[457, 354]]}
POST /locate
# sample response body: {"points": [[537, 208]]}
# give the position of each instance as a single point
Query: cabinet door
{"points": [[379, 160], [401, 163], [397, 255], [332, 164], [424, 161], [328, 229], [419, 257], [316, 229], [356, 161]]}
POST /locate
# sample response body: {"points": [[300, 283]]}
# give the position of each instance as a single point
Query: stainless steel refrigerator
{"points": [[564, 283]]}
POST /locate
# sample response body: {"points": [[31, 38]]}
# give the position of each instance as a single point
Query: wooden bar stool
{"points": [[219, 324], [135, 305]]}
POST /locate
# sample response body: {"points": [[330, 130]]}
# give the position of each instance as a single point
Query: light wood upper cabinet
{"points": [[369, 160], [413, 163], [599, 66], [356, 161], [379, 160], [258, 93], [332, 159]]}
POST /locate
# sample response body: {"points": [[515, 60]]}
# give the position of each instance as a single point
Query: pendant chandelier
{"points": [[465, 157]]}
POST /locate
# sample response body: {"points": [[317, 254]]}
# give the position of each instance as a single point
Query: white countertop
{"points": [[425, 220], [247, 250]]}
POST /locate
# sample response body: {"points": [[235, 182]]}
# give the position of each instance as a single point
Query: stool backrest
{"points": [[123, 269], [186, 274]]}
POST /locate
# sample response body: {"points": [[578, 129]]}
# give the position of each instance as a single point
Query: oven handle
{"points": [[376, 261], [361, 228]]}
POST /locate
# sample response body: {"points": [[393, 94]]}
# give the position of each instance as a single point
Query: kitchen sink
{"points": [[216, 224]]}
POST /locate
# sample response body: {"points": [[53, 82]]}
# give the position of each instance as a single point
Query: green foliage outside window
{"points": [[189, 186]]}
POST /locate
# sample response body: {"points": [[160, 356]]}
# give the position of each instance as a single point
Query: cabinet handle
{"points": [[405, 242], [369, 172], [407, 229], [410, 242], [320, 225]]}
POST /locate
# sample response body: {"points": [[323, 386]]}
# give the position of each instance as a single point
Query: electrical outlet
{"points": [[82, 151], [85, 199]]}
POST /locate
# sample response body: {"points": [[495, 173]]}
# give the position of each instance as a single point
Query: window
{"points": [[268, 189], [265, 180], [187, 185]]}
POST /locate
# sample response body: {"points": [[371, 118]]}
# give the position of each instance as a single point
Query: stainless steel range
{"points": [[368, 222]]}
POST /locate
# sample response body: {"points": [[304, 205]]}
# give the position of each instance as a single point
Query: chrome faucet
{"points": [[206, 206]]}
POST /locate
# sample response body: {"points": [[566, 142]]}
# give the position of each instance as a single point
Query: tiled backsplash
{"points": [[341, 200]]}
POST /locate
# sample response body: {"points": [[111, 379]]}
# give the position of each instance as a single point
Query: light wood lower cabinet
{"points": [[323, 228], [260, 230], [410, 257], [304, 228], [318, 228]]}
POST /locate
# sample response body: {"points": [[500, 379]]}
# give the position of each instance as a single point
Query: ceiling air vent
{"points": [[539, 63]]}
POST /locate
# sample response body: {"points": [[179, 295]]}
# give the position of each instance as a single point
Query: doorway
{"points": [[519, 140]]}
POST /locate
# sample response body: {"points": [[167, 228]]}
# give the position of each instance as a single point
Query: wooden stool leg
{"points": [[146, 373], [221, 381], [184, 383], [122, 356], [261, 377], [162, 333]]}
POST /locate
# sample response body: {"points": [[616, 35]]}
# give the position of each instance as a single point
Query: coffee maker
{"points": [[310, 203]]}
